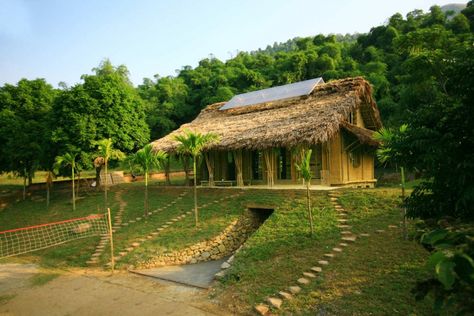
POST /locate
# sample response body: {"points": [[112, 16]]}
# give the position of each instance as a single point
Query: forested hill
{"points": [[403, 59], [406, 60]]}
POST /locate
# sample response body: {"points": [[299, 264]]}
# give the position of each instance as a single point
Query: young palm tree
{"points": [[192, 143], [107, 152], [66, 160], [386, 154], [148, 159], [304, 168]]}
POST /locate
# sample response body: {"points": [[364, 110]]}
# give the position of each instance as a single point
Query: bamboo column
{"points": [[209, 157], [238, 165], [269, 164]]}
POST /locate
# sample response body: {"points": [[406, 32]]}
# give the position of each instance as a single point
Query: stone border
{"points": [[138, 242], [117, 225]]}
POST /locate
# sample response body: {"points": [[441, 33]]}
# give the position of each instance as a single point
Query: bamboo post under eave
{"points": [[238, 166], [268, 156], [210, 167]]}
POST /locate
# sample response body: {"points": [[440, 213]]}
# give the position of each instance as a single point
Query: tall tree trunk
{"points": [[105, 186], [404, 210], [24, 187], [73, 190], [97, 176], [47, 196], [78, 184], [49, 183], [146, 193], [186, 169], [167, 170], [195, 192], [310, 213]]}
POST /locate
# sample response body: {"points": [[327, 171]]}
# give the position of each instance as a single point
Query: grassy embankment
{"points": [[372, 276], [375, 275]]}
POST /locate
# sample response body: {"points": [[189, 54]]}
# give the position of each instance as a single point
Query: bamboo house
{"points": [[262, 134]]}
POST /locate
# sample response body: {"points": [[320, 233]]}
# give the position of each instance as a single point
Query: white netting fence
{"points": [[22, 240]]}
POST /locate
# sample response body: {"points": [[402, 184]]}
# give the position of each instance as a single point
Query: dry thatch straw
{"points": [[305, 120]]}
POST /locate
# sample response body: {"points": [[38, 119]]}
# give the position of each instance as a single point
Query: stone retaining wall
{"points": [[222, 245]]}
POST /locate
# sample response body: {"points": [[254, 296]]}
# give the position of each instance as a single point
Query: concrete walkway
{"points": [[200, 275], [90, 292]]}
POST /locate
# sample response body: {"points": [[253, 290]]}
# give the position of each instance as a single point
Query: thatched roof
{"points": [[364, 136], [310, 119]]}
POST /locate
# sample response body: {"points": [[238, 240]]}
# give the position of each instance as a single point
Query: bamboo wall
{"points": [[342, 162]]}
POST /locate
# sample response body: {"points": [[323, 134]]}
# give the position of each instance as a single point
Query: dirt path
{"points": [[91, 292]]}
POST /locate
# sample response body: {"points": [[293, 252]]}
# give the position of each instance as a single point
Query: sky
{"points": [[61, 40]]}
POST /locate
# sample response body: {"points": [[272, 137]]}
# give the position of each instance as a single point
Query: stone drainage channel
{"points": [[347, 237], [197, 265]]}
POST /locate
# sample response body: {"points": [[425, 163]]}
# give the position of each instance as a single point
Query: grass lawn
{"points": [[372, 276]]}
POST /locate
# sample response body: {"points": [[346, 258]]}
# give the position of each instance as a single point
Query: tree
{"points": [[148, 159], [193, 143], [387, 154], [106, 151], [66, 160], [105, 105], [24, 127], [304, 168]]}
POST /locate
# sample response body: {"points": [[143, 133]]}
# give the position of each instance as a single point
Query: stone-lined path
{"points": [[347, 238], [138, 242], [104, 238]]}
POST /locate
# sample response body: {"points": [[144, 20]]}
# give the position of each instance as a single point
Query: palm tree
{"points": [[386, 154], [304, 168], [66, 160], [193, 143], [107, 152], [148, 159]]}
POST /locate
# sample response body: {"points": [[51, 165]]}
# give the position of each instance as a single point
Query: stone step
{"points": [[349, 238], [275, 302], [309, 275], [335, 249], [303, 281], [91, 262], [285, 295], [316, 269], [344, 226], [329, 255], [262, 309], [294, 289], [346, 232], [343, 244], [364, 235], [323, 262]]}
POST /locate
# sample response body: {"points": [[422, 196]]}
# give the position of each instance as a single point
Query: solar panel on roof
{"points": [[287, 91]]}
